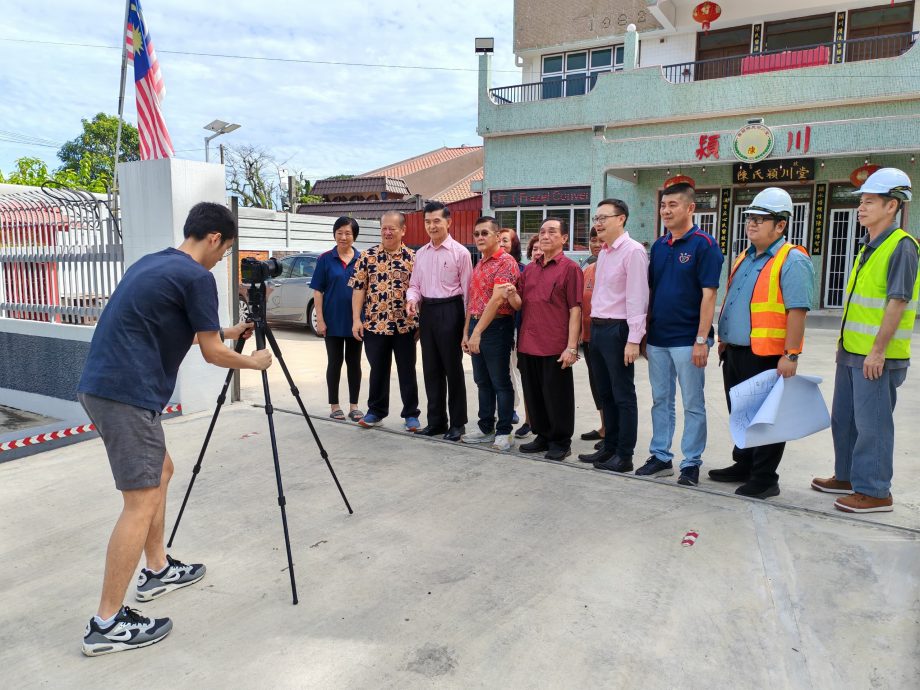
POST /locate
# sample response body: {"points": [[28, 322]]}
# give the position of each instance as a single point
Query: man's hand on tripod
{"points": [[242, 330], [261, 359]]}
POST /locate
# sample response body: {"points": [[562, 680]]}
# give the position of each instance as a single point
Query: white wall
{"points": [[667, 50]]}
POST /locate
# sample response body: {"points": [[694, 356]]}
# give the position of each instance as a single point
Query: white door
{"points": [[843, 235]]}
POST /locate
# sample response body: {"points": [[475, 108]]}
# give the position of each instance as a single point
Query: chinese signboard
{"points": [[817, 233], [785, 170], [753, 143], [709, 147], [550, 196], [725, 219]]}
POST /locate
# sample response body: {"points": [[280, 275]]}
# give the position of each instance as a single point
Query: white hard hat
{"points": [[887, 182], [772, 201]]}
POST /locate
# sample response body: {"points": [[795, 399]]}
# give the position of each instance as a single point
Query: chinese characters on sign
{"points": [[709, 147], [799, 140], [787, 170], [503, 198], [753, 143], [817, 234], [725, 205]]}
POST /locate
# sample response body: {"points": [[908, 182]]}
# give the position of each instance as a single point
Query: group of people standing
{"points": [[629, 303]]}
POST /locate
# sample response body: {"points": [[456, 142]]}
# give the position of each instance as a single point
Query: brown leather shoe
{"points": [[832, 485], [860, 503]]}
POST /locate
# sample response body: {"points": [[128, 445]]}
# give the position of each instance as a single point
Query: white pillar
{"points": [[156, 197]]}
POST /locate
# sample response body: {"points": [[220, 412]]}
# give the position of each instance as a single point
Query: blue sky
{"points": [[320, 119]]}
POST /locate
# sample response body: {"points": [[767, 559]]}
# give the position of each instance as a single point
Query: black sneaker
{"points": [[689, 476], [654, 467], [151, 585], [130, 630], [523, 430]]}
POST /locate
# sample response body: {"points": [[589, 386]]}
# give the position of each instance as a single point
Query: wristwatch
{"points": [[791, 356], [700, 340], [572, 350]]}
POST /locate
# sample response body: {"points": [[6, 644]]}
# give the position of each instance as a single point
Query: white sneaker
{"points": [[478, 437], [503, 443]]}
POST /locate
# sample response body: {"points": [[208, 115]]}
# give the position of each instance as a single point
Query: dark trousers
{"points": [[380, 351], [441, 323], [740, 364], [339, 350], [586, 346], [492, 374], [615, 386], [549, 394]]}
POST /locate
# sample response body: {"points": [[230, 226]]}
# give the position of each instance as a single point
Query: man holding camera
{"points": [[165, 303]]}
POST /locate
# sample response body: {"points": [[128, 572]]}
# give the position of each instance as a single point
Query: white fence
{"points": [[273, 231]]}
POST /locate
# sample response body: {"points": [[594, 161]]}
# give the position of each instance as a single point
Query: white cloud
{"points": [[324, 119]]}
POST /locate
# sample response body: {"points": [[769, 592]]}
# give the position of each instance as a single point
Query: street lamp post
{"points": [[218, 127]]}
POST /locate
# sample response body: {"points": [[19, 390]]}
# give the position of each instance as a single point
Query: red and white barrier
{"points": [[690, 538]]}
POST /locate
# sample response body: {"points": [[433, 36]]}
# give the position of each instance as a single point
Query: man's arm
{"points": [[707, 311], [568, 358], [414, 292], [357, 306], [874, 363], [488, 316], [466, 272], [464, 341], [795, 332], [215, 352]]}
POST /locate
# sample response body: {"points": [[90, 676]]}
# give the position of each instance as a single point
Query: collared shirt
{"points": [[385, 278], [498, 269], [549, 291], [331, 278], [678, 271], [796, 280], [586, 301], [442, 271], [621, 285], [902, 272]]}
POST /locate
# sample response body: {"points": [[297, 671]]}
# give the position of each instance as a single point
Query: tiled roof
{"points": [[361, 185], [371, 210], [426, 160], [461, 190]]}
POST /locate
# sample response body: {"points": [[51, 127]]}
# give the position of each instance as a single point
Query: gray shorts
{"points": [[133, 438]]}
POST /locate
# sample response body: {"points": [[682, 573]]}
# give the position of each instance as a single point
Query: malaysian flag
{"points": [[151, 127]]}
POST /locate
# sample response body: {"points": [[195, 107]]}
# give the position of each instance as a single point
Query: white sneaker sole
{"points": [[659, 473], [101, 648], [825, 490], [152, 594], [476, 441], [847, 509]]}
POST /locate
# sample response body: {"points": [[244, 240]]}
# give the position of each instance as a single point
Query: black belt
{"points": [[441, 300], [606, 322], [494, 318], [737, 347]]}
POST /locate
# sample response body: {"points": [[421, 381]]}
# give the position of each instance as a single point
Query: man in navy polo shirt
{"points": [[683, 274]]}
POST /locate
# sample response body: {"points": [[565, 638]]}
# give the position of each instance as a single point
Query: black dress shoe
{"points": [[536, 446], [558, 454], [454, 433], [598, 456], [615, 464], [735, 473], [756, 489], [599, 445], [591, 436], [431, 431]]}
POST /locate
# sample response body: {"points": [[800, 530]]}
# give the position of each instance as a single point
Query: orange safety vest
{"points": [[768, 311]]}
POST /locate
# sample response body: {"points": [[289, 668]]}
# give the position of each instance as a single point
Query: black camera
{"points": [[253, 271]]}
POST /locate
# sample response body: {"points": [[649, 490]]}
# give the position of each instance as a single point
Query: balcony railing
{"points": [[850, 50], [550, 87]]}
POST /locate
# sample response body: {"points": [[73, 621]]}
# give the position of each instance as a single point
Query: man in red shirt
{"points": [[549, 296], [489, 336]]}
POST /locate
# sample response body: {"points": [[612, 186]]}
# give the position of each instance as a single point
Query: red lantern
{"points": [[679, 179], [858, 176], [705, 13]]}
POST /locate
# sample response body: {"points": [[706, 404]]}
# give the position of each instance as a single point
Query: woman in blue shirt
{"points": [[332, 300]]}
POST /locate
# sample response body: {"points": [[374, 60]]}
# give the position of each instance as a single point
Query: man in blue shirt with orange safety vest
{"points": [[873, 351], [762, 327]]}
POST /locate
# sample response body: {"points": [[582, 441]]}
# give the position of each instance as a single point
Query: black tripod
{"points": [[263, 333]]}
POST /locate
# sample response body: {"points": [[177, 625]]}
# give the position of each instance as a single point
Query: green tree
{"points": [[29, 171], [90, 156]]}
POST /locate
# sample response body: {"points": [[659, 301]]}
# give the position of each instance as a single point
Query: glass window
{"points": [[618, 57], [552, 63], [600, 58], [576, 84], [531, 219], [802, 31], [287, 264], [552, 87], [507, 219], [576, 61], [582, 228], [304, 267]]}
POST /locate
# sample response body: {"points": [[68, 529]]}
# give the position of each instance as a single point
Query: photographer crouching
{"points": [[165, 303]]}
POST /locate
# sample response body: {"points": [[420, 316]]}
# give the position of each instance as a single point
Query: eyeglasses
{"points": [[758, 220], [602, 218], [481, 233], [228, 253]]}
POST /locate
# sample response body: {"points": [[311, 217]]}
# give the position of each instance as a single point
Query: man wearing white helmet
{"points": [[762, 327], [873, 351]]}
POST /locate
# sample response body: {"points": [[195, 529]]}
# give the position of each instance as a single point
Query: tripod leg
{"points": [[260, 344], [276, 349], [220, 401]]}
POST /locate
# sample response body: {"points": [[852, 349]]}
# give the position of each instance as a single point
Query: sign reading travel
{"points": [[550, 196], [785, 170], [753, 143]]}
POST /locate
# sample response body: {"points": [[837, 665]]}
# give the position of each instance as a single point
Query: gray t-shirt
{"points": [[902, 273]]}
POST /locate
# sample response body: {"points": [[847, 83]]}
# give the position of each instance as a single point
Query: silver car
{"points": [[289, 297]]}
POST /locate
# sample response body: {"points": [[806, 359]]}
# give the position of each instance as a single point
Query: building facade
{"points": [[620, 97]]}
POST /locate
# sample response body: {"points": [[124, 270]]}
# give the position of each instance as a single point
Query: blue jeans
{"points": [[862, 425], [668, 366], [492, 374]]}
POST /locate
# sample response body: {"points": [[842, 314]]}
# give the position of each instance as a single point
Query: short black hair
{"points": [[593, 232], [207, 217], [683, 189], [433, 206], [488, 219], [619, 205], [345, 220], [563, 224]]}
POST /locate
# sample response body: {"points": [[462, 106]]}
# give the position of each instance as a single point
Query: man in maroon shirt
{"points": [[549, 297]]}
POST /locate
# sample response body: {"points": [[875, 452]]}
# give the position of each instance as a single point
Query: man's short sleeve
{"points": [[902, 270], [797, 281], [320, 279], [575, 285], [201, 304], [709, 268], [359, 280]]}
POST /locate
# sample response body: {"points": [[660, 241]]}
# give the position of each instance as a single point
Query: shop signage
{"points": [[725, 209], [753, 143], [549, 196], [817, 232], [784, 170], [708, 148]]}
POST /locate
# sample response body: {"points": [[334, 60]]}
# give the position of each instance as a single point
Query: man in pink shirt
{"points": [[619, 306], [437, 293]]}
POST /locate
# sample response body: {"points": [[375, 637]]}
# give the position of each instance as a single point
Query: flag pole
{"points": [[121, 99]]}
